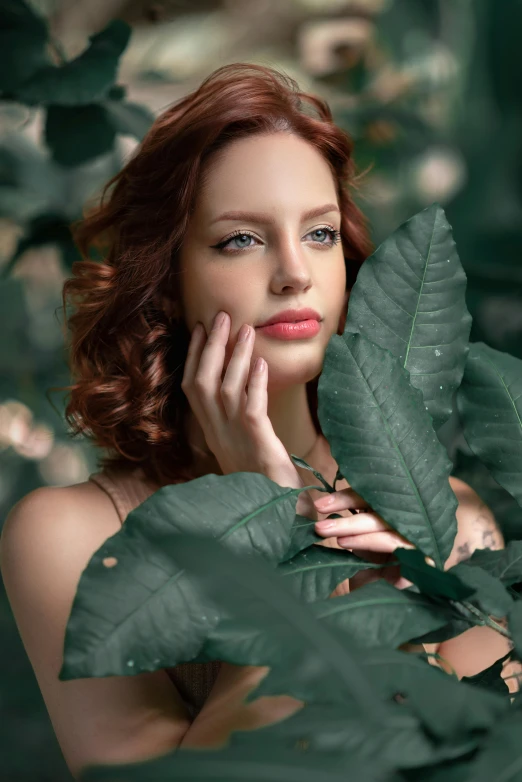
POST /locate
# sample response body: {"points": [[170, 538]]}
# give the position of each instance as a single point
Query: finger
{"points": [[207, 379], [375, 541], [344, 499], [256, 405], [360, 524], [195, 349], [233, 392]]}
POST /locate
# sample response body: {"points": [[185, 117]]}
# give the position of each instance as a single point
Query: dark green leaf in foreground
{"points": [[504, 564], [231, 764], [326, 728], [275, 642], [84, 80], [382, 438], [409, 297], [501, 756], [135, 609], [313, 574], [490, 405], [449, 709], [430, 580], [256, 595], [378, 614]]}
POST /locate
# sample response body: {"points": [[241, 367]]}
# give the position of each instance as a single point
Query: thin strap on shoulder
{"points": [[126, 490]]}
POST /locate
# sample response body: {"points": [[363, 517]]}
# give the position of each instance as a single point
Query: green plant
{"points": [[84, 111], [386, 387]]}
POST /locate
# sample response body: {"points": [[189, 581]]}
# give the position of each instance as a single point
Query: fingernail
{"points": [[324, 502], [220, 319], [325, 525], [244, 333]]}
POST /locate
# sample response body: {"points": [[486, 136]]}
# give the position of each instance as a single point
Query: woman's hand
{"points": [[234, 418], [365, 533]]}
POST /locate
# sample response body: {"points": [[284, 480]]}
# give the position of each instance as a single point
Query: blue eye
{"points": [[335, 238]]}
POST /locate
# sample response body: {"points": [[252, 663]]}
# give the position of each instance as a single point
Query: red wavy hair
{"points": [[126, 352]]}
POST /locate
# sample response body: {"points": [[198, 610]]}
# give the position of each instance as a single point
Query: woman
{"points": [[237, 202]]}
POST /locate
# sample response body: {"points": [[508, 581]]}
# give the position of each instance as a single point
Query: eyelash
{"points": [[335, 239]]}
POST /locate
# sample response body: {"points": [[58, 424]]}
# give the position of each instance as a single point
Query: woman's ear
{"points": [[344, 312]]}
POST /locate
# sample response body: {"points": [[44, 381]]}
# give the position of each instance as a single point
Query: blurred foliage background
{"points": [[429, 90]]}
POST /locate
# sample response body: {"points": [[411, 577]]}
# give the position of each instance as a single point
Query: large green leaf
{"points": [[490, 405], [283, 627], [378, 614], [314, 573], [504, 564], [448, 708], [135, 609], [501, 756], [409, 298], [233, 764], [84, 80], [382, 438], [400, 744], [23, 40], [326, 728]]}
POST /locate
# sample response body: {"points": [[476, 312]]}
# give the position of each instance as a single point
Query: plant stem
{"points": [[486, 620]]}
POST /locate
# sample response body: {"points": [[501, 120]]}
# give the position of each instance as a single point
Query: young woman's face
{"points": [[280, 261]]}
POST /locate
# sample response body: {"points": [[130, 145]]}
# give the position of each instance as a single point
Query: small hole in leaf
{"points": [[109, 561]]}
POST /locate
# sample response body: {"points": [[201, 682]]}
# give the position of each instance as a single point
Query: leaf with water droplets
{"points": [[409, 297], [383, 440]]}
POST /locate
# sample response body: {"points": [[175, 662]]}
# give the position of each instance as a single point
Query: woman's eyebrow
{"points": [[263, 217]]}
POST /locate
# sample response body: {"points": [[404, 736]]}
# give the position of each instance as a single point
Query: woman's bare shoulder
{"points": [[76, 505]]}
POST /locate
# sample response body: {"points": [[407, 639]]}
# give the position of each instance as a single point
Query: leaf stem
{"points": [[484, 619]]}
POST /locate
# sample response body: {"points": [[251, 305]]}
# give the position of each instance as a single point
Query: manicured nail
{"points": [[244, 333], [325, 525], [220, 319], [324, 502]]}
